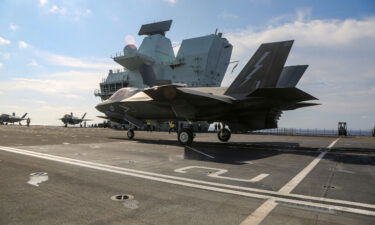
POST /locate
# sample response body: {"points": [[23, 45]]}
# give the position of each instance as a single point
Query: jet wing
{"points": [[286, 94], [167, 93], [185, 102], [300, 105]]}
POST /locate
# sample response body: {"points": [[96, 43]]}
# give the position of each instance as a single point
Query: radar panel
{"points": [[155, 28]]}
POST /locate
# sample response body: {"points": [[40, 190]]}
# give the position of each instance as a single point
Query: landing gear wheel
{"points": [[224, 135], [185, 136], [130, 134]]}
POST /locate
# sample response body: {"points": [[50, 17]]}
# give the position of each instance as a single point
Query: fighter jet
{"points": [[72, 120], [254, 100], [6, 118]]}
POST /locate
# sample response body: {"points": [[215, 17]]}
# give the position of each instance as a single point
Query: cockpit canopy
{"points": [[124, 93]]}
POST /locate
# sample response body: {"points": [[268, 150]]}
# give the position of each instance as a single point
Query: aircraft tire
{"points": [[130, 134], [185, 136], [224, 135]]}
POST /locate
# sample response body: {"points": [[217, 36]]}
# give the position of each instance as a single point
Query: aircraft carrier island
{"points": [[85, 175], [200, 61]]}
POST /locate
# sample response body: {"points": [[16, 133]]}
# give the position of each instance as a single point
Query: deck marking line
{"points": [[258, 215], [262, 212], [260, 177], [267, 192], [100, 167], [195, 150], [198, 186], [219, 172]]}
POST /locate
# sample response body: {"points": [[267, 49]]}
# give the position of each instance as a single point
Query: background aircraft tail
{"points": [[263, 69], [83, 116], [24, 115]]}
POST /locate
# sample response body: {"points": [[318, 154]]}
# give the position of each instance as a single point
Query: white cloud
{"points": [[22, 44], [74, 96], [4, 41], [43, 2], [58, 10], [13, 27], [75, 62], [35, 101], [1, 65], [33, 63], [341, 72], [228, 15], [172, 2], [68, 83], [5, 55]]}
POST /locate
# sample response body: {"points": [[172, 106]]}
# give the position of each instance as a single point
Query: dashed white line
{"points": [[266, 208]]}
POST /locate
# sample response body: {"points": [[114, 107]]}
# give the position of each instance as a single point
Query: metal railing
{"points": [[313, 132]]}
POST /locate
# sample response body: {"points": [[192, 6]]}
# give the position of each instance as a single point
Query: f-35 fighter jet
{"points": [[254, 101], [72, 120], [6, 118]]}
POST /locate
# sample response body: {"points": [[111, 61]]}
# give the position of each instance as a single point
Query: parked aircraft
{"points": [[73, 120], [6, 118]]}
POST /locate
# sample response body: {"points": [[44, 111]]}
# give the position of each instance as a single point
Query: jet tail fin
{"points": [[263, 69], [83, 116], [290, 76], [24, 115]]}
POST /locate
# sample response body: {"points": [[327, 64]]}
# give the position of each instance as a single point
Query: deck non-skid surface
{"points": [[253, 179]]}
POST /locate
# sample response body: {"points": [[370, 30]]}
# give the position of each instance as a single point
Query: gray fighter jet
{"points": [[73, 120], [254, 101], [6, 118]]}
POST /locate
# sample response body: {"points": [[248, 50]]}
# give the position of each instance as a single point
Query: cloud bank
{"points": [[341, 72]]}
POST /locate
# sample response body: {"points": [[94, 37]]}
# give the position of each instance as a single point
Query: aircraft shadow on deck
{"points": [[239, 153]]}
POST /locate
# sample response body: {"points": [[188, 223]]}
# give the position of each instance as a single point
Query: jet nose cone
{"points": [[101, 107]]}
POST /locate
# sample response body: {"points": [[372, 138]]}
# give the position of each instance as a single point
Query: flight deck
{"points": [[57, 175]]}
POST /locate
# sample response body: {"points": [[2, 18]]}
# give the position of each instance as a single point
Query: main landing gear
{"points": [[224, 134], [130, 133], [186, 136]]}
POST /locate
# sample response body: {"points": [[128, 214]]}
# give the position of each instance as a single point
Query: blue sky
{"points": [[53, 53]]}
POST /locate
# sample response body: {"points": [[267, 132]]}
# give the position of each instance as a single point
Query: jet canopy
{"points": [[124, 93]]}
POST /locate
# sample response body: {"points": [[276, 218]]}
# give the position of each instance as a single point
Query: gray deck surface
{"points": [[208, 183]]}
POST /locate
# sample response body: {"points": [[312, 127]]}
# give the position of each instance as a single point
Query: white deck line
{"points": [[259, 191], [138, 174], [266, 208]]}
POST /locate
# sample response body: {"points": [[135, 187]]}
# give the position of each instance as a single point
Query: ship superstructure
{"points": [[199, 62]]}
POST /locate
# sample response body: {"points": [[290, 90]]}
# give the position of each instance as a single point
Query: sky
{"points": [[54, 53]]}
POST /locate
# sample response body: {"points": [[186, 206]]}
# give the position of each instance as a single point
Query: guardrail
{"points": [[313, 132]]}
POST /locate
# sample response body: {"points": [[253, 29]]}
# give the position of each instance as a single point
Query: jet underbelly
{"points": [[147, 110]]}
